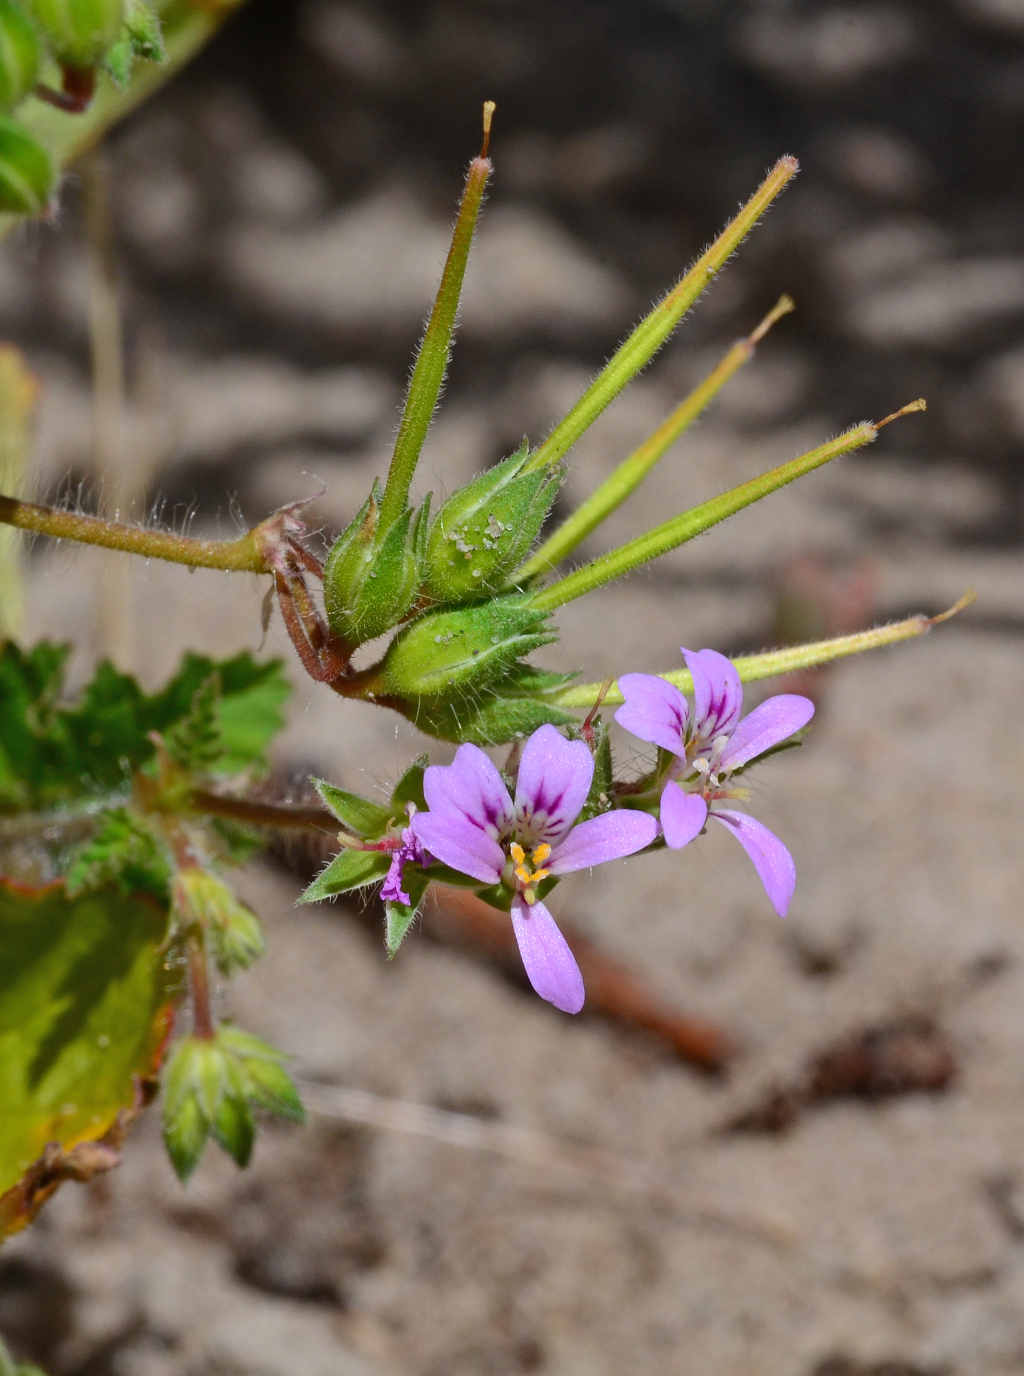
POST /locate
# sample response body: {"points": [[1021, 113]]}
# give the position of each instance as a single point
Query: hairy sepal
{"points": [[399, 917], [213, 1085], [351, 870], [485, 530], [372, 573], [445, 655]]}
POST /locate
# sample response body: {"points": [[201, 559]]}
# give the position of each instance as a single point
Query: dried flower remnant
{"points": [[410, 852], [474, 826], [706, 751]]}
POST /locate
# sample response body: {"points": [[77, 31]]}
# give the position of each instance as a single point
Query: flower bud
{"points": [[233, 931], [19, 55], [445, 655], [26, 170], [79, 31], [371, 576], [213, 1084], [486, 529]]}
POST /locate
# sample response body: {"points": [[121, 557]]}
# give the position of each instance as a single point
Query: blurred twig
{"points": [[547, 1153]]}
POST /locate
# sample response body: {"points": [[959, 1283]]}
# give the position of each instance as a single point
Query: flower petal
{"points": [[654, 710], [550, 965], [607, 837], [717, 693], [472, 786], [682, 816], [554, 780], [457, 842], [768, 724], [772, 860]]}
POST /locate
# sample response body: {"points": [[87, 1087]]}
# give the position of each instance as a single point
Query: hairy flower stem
{"points": [[671, 534], [793, 658], [655, 328], [275, 815], [432, 360], [244, 555], [632, 471]]}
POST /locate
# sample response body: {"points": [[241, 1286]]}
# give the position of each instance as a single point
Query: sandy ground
{"points": [[270, 310], [870, 1237]]}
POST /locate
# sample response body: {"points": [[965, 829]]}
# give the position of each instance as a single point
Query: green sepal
{"points": [[500, 896], [409, 789], [141, 37], [599, 799], [233, 1124], [485, 530], [187, 1103], [269, 1085], [371, 574], [359, 815], [213, 1085], [445, 655], [352, 869], [124, 852], [27, 174], [399, 917], [486, 720], [233, 931], [19, 55], [79, 31]]}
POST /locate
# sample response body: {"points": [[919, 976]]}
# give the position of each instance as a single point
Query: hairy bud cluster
{"points": [[80, 36]]}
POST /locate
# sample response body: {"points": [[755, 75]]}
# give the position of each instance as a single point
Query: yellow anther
{"points": [[518, 854], [539, 875], [541, 853], [529, 895], [523, 874]]}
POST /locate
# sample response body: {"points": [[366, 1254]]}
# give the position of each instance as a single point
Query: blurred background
{"points": [[847, 1197]]}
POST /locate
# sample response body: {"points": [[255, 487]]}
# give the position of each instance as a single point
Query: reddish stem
{"points": [[199, 983]]}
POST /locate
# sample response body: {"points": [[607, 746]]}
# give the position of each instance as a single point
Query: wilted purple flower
{"points": [[708, 749], [474, 826], [409, 850]]}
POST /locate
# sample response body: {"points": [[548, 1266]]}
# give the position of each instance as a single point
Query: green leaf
{"points": [[53, 752], [366, 819], [125, 853], [352, 869], [399, 917], [85, 1004], [194, 741]]}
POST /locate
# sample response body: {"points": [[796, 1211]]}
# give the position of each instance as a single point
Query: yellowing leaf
{"points": [[85, 1005]]}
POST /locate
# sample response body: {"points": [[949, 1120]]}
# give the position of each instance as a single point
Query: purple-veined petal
{"points": [[772, 860], [550, 965], [607, 837], [472, 786], [768, 724], [717, 693], [460, 844], [554, 780], [654, 710], [682, 816]]}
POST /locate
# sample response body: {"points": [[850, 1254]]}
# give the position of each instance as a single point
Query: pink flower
{"points": [[409, 850], [474, 827], [708, 749]]}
